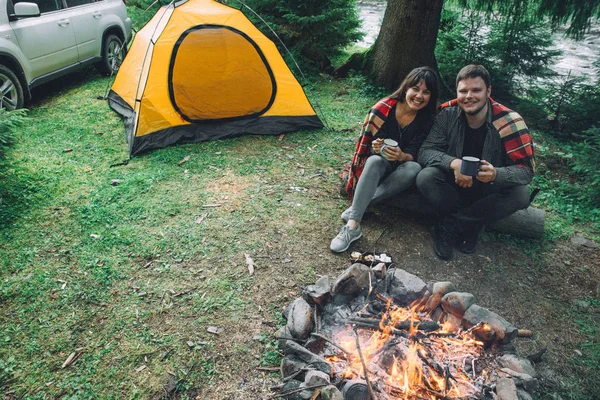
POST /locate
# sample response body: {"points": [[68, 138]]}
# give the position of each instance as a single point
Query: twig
{"points": [[299, 390], [331, 342], [365, 372], [471, 329], [269, 369]]}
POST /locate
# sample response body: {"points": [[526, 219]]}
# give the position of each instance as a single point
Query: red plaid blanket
{"points": [[372, 124], [515, 135]]}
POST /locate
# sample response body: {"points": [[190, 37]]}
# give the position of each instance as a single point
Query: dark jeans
{"points": [[478, 205]]}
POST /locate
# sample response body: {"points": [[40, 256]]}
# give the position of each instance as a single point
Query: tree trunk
{"points": [[406, 40]]}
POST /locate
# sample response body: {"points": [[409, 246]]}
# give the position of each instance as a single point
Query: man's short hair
{"points": [[474, 71]]}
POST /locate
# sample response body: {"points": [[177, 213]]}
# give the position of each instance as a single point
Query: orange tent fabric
{"points": [[200, 70]]}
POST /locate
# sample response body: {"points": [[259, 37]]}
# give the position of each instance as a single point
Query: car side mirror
{"points": [[25, 10]]}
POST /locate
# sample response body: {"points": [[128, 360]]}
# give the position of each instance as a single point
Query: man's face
{"points": [[472, 95]]}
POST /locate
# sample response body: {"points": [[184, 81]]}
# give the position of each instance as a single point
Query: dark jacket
{"points": [[445, 143]]}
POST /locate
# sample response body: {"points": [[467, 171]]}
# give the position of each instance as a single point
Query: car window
{"points": [[44, 5], [75, 3]]}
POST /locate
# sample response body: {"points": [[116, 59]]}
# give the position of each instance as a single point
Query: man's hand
{"points": [[487, 172], [464, 181], [377, 143]]}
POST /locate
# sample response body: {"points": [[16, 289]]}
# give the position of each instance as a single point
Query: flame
{"points": [[423, 366]]}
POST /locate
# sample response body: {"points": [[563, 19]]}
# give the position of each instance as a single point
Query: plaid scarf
{"points": [[513, 132], [372, 124]]}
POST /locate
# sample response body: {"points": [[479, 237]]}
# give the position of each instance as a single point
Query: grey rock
{"points": [[290, 365], [406, 287], [506, 389], [289, 386], [581, 241], [313, 378], [350, 283], [298, 353], [286, 312], [457, 303], [305, 394], [282, 337], [438, 314], [500, 330], [518, 364], [438, 290], [522, 380], [300, 319], [318, 293], [331, 393], [507, 348], [523, 395], [380, 270]]}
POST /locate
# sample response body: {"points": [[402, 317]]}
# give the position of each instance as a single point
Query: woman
{"points": [[406, 117]]}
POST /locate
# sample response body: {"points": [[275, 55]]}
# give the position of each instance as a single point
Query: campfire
{"points": [[377, 332]]}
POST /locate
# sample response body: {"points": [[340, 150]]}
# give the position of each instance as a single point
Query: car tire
{"points": [[113, 53], [11, 91]]}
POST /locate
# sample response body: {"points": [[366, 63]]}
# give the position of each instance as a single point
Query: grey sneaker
{"points": [[346, 214], [343, 239]]}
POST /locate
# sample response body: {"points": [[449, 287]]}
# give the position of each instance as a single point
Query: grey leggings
{"points": [[379, 180]]}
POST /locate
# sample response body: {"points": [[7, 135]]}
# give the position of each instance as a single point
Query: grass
{"points": [[129, 277], [99, 270]]}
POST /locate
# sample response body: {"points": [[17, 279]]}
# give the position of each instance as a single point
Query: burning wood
{"points": [[378, 348]]}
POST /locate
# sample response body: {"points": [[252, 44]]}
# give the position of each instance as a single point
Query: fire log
{"points": [[426, 326]]}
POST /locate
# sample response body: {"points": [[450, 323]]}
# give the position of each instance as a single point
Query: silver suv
{"points": [[41, 40]]}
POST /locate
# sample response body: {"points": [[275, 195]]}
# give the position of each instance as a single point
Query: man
{"points": [[474, 125]]}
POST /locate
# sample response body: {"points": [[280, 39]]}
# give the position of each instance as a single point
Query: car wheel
{"points": [[113, 53], [11, 91]]}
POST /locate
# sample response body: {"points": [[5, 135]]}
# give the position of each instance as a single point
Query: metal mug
{"points": [[470, 166], [387, 143]]}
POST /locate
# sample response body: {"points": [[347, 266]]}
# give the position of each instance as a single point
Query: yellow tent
{"points": [[200, 70]]}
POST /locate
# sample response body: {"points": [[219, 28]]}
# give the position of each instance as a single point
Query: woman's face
{"points": [[417, 96]]}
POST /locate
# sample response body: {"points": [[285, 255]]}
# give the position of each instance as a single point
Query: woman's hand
{"points": [[377, 143], [395, 154]]}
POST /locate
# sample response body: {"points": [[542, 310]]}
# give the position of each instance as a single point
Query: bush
{"points": [[313, 29]]}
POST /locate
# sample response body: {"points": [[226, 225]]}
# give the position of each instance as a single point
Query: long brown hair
{"points": [[413, 78]]}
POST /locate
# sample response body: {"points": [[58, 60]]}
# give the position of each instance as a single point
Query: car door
{"points": [[47, 41], [85, 16]]}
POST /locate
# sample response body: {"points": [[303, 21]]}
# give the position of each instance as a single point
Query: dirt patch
{"points": [[534, 291]]}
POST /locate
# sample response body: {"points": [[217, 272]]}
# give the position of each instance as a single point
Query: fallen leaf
{"points": [[94, 236], [214, 330], [140, 368], [200, 219], [280, 138], [184, 160], [250, 263], [211, 205], [115, 182], [69, 360], [67, 150]]}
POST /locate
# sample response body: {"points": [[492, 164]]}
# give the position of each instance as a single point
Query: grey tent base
{"points": [[208, 130]]}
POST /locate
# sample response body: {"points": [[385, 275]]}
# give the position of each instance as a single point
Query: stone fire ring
{"points": [[304, 370]]}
